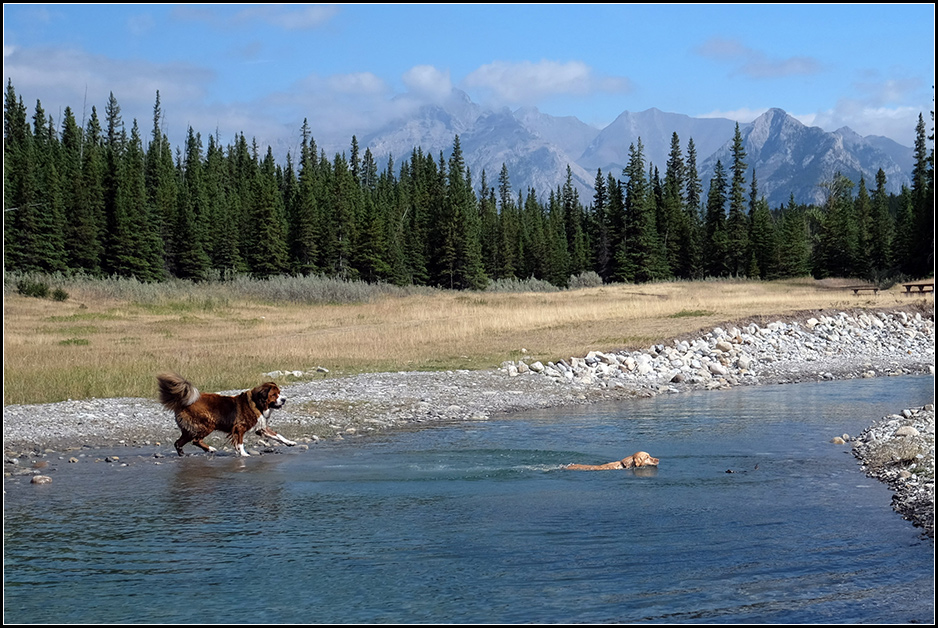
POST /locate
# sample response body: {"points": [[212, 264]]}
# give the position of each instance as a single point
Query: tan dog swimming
{"points": [[638, 459]]}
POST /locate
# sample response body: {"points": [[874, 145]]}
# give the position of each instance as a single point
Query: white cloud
{"points": [[755, 63], [527, 82], [428, 81]]}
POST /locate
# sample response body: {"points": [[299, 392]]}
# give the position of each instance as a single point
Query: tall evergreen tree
{"points": [[304, 228], [715, 240], [577, 240], [49, 211], [836, 253], [192, 260], [693, 197], [641, 260], [881, 228], [161, 184], [267, 254], [509, 228], [922, 253], [737, 227], [676, 230], [862, 211], [794, 246], [601, 229]]}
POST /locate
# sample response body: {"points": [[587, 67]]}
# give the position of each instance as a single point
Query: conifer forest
{"points": [[104, 198]]}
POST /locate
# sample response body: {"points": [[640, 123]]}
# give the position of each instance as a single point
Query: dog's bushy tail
{"points": [[176, 393]]}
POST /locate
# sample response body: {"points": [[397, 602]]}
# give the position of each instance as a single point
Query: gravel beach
{"points": [[812, 346]]}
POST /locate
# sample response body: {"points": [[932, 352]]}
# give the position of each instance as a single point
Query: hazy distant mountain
{"points": [[537, 148], [791, 158], [610, 149]]}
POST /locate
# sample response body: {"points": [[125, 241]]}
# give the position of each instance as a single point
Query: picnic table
{"points": [[923, 286], [858, 289]]}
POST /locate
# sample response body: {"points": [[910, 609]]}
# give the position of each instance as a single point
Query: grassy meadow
{"points": [[109, 338]]}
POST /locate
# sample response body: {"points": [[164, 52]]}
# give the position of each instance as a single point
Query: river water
{"points": [[479, 523]]}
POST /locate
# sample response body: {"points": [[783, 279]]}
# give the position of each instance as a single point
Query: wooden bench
{"points": [[923, 286], [857, 289]]}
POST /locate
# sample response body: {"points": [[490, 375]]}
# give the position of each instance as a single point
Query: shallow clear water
{"points": [[478, 523]]}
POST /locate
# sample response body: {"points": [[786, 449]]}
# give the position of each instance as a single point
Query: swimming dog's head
{"points": [[640, 459]]}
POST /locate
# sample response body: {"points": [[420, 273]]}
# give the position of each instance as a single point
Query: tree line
{"points": [[91, 197]]}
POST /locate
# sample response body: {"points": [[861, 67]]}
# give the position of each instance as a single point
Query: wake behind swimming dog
{"points": [[200, 414]]}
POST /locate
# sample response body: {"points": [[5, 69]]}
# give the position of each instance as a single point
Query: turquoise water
{"points": [[478, 523]]}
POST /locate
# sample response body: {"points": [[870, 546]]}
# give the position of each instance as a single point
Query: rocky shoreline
{"points": [[817, 346]]}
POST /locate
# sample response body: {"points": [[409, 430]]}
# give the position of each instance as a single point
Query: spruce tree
{"points": [[862, 210], [601, 227], [737, 227], [189, 244], [49, 249], [676, 233], [693, 197], [509, 228], [304, 227], [794, 246], [267, 255], [715, 240], [881, 229], [922, 251]]}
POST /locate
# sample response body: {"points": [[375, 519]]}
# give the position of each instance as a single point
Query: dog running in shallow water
{"points": [[638, 459], [200, 414]]}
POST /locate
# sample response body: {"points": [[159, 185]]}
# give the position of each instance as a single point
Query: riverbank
{"points": [[817, 346]]}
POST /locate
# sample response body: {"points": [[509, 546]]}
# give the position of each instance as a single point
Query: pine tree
{"points": [[677, 230], [221, 225], [794, 247], [903, 246], [601, 229], [162, 192], [577, 240], [20, 188], [304, 228], [862, 210], [509, 228], [692, 207], [737, 227], [49, 211], [922, 251], [267, 254], [489, 230], [470, 273], [764, 256], [641, 260], [189, 245], [715, 240], [881, 228], [836, 252]]}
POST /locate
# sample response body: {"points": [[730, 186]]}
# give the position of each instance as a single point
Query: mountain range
{"points": [[788, 156]]}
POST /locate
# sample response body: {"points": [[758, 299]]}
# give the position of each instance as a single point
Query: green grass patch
{"points": [[75, 341], [691, 313]]}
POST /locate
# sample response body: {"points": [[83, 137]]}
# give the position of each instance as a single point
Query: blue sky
{"points": [[262, 69]]}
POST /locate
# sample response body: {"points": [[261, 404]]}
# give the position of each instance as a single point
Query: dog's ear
{"points": [[260, 396]]}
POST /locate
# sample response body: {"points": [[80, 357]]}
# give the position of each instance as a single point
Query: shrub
{"points": [[586, 279], [32, 288]]}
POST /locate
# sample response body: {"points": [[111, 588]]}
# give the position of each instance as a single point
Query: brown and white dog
{"points": [[200, 414], [638, 459]]}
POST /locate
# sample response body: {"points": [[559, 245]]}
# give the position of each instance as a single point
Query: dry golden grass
{"points": [[93, 347]]}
